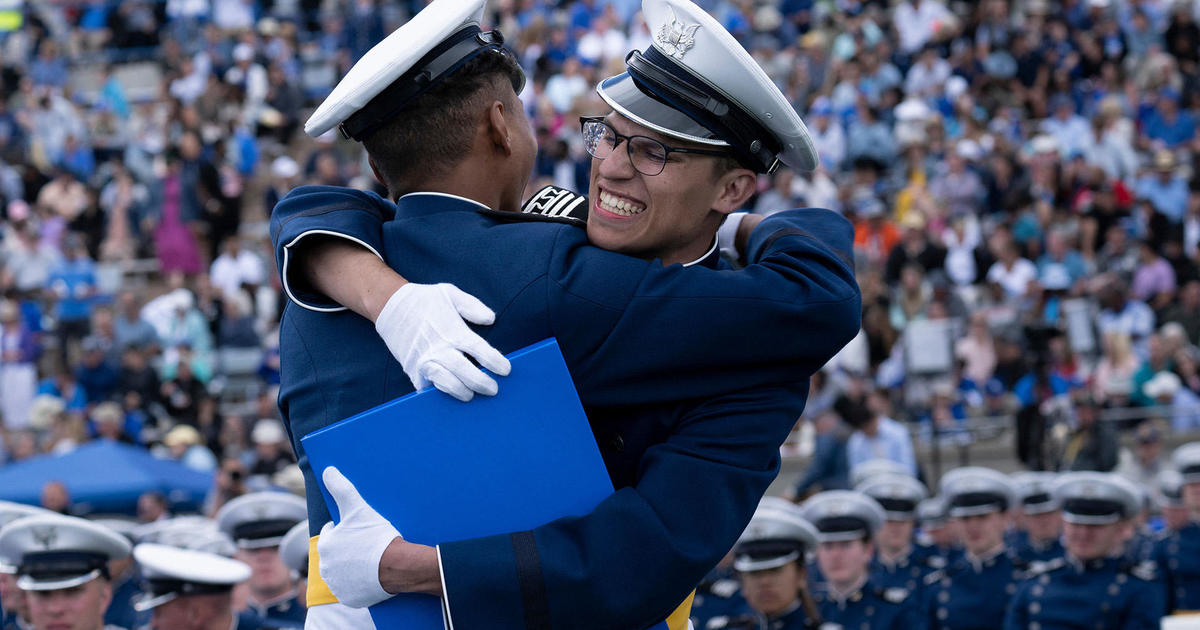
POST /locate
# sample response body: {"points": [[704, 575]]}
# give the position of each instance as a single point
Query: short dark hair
{"points": [[436, 131]]}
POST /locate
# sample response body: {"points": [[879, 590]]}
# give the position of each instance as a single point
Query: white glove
{"points": [[727, 235], [422, 324], [350, 551]]}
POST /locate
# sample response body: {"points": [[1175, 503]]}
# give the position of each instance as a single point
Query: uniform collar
{"points": [[793, 607], [424, 202], [985, 559], [261, 608], [901, 560], [709, 259], [853, 594]]}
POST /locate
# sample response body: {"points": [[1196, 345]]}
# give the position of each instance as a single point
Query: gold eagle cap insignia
{"points": [[676, 38]]}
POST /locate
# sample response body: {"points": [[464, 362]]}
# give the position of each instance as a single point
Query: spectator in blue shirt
{"points": [[1167, 124], [96, 375], [71, 286], [1164, 189], [830, 466]]}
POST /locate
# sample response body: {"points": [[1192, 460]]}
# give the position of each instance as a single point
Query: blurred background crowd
{"points": [[1020, 174]]}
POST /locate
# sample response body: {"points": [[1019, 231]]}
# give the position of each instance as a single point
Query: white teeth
{"points": [[619, 206]]}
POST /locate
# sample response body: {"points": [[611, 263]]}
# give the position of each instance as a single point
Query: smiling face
{"points": [[673, 215]]}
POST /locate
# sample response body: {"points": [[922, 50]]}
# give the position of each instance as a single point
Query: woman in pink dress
{"points": [[173, 240]]}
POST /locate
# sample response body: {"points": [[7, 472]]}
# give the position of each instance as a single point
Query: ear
{"points": [[106, 593], [375, 171], [497, 128], [733, 189]]}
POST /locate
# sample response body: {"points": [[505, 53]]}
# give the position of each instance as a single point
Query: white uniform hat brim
{"points": [[747, 565], [391, 58], [27, 583], [256, 507], [627, 99], [710, 54], [187, 565]]}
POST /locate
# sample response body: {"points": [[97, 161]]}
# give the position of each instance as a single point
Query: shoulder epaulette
{"points": [[1145, 570], [894, 595], [1038, 567], [935, 577]]}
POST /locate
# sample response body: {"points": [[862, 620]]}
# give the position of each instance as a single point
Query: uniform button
{"points": [[1033, 625], [944, 597], [618, 443], [1122, 578], [1113, 589], [870, 611], [1045, 579], [1035, 608], [1036, 591], [942, 613], [866, 626], [1011, 588], [945, 582]]}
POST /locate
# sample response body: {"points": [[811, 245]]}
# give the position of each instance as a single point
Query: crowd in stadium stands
{"points": [[1019, 175]]}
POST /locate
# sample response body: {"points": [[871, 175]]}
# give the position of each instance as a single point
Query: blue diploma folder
{"points": [[441, 470]]}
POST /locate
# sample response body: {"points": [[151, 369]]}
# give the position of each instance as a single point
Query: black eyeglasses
{"points": [[648, 156]]}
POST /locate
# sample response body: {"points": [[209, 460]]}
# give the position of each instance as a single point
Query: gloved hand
{"points": [[351, 550], [422, 325]]}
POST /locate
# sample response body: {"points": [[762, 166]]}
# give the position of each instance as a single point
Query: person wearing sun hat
{"points": [[461, 210], [1094, 585], [62, 565]]}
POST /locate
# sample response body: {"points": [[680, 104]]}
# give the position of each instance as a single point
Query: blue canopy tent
{"points": [[105, 477]]}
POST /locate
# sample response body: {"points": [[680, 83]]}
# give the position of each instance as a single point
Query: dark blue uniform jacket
{"points": [[691, 378]]}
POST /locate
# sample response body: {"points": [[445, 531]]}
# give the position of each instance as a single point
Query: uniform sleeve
{"points": [[328, 211], [700, 331], [1014, 618], [1147, 608], [911, 615], [638, 554]]}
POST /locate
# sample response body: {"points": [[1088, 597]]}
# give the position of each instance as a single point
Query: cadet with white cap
{"points": [[257, 522], [62, 565], [124, 579], [1094, 585], [1169, 487], [846, 521], [937, 533], [770, 559], [192, 590], [974, 591], [14, 611], [1178, 555], [664, 200], [898, 561], [293, 550], [1038, 536]]}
